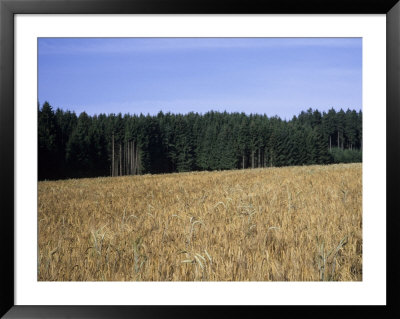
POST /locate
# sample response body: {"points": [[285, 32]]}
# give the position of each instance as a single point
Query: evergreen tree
{"points": [[243, 139], [47, 143], [184, 145], [77, 154], [329, 127], [351, 128], [340, 124], [103, 145], [227, 158]]}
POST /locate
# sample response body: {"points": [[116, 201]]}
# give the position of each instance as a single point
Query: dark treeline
{"points": [[73, 146]]}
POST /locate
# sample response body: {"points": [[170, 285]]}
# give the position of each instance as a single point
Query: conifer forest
{"points": [[74, 146]]}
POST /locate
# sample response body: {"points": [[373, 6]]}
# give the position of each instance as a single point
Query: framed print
{"points": [[162, 155]]}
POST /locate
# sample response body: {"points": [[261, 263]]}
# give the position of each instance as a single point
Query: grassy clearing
{"points": [[274, 224]]}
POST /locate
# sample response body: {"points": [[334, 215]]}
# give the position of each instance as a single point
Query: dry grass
{"points": [[280, 224]]}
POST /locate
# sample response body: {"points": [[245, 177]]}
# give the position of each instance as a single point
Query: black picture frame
{"points": [[8, 8]]}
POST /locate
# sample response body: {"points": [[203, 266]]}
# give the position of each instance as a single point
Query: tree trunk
{"points": [[112, 162], [342, 141], [125, 158], [128, 157], [338, 143], [259, 158], [330, 143], [120, 160], [134, 158], [265, 157], [131, 162], [262, 160], [137, 159], [243, 160]]}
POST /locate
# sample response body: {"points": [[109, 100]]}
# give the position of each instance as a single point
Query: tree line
{"points": [[71, 146]]}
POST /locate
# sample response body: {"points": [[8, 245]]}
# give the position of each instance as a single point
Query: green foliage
{"points": [[346, 155], [71, 146]]}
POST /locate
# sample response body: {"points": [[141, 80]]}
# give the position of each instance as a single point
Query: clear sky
{"points": [[273, 76]]}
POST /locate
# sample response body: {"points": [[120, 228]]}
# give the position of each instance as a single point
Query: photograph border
{"points": [[8, 8]]}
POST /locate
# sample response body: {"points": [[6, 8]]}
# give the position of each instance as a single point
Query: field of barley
{"points": [[270, 224]]}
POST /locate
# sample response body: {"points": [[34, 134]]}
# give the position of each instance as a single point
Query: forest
{"points": [[74, 146]]}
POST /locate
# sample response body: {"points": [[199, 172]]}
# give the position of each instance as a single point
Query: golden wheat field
{"points": [[271, 224]]}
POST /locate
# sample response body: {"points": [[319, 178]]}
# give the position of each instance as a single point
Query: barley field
{"points": [[270, 224]]}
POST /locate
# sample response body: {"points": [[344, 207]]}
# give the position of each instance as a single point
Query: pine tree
{"points": [[47, 143], [85, 146], [78, 157]]}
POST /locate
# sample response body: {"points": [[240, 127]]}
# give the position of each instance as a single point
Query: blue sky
{"points": [[273, 76]]}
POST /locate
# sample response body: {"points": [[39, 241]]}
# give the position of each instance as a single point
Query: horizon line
{"points": [[196, 112]]}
